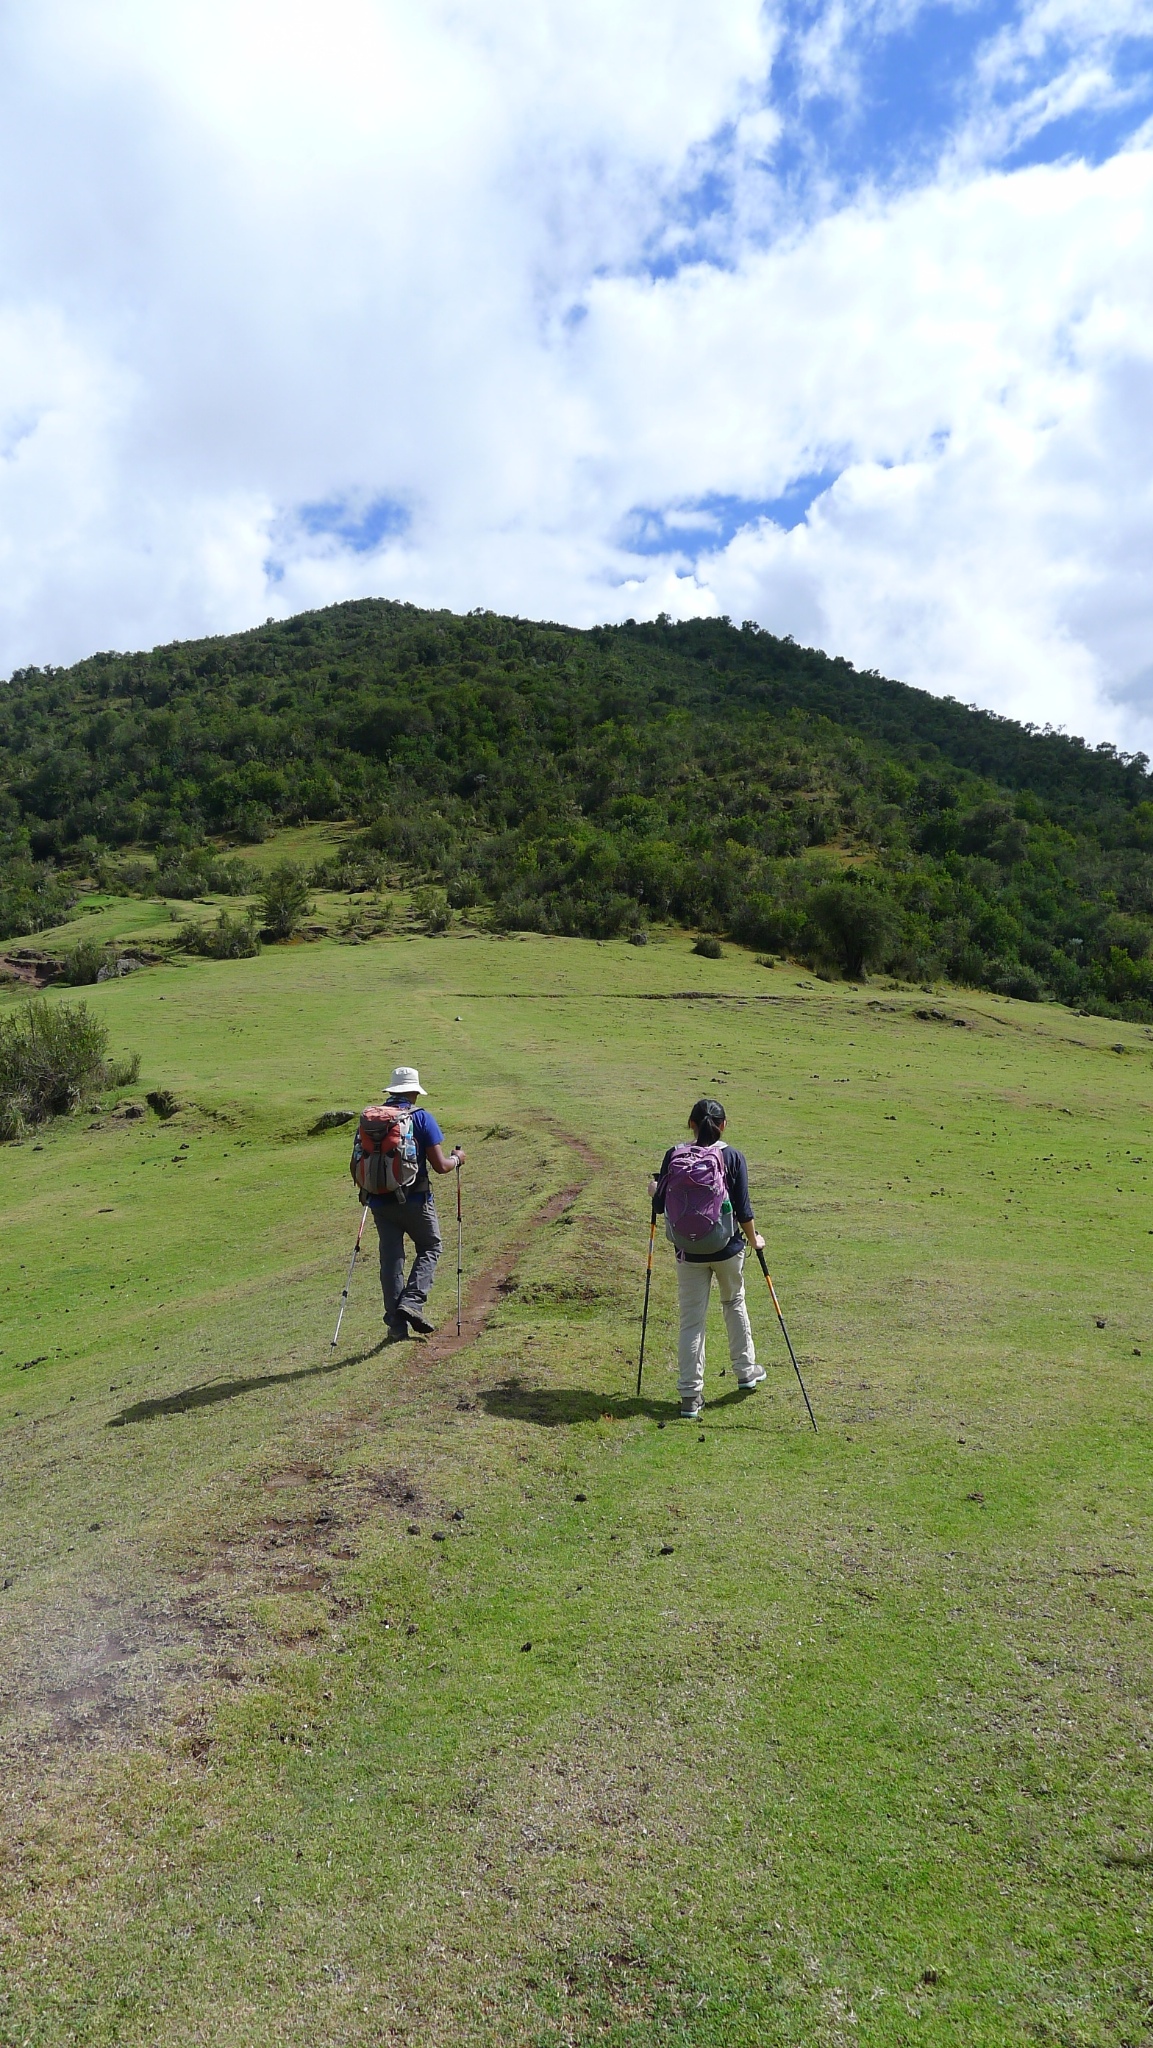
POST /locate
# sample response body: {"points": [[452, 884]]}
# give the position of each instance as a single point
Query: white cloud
{"points": [[263, 256], [978, 361]]}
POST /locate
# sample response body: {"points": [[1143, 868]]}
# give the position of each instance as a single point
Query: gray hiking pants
{"points": [[394, 1222], [694, 1279]]}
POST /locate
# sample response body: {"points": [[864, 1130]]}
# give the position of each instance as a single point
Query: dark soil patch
{"points": [[296, 1475], [490, 1287], [109, 1670], [33, 968]]}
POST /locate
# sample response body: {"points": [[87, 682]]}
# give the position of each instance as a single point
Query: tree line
{"points": [[594, 783]]}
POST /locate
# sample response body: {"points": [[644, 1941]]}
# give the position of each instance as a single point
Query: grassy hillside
{"points": [[595, 783], [707, 1735]]}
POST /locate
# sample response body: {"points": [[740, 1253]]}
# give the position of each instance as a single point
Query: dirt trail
{"points": [[488, 1287], [106, 1667]]}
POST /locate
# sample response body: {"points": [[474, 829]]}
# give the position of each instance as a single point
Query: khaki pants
{"points": [[694, 1280]]}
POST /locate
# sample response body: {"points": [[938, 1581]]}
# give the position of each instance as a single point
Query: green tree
{"points": [[283, 899], [855, 925]]}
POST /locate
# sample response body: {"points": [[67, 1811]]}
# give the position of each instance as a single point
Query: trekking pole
{"points": [[648, 1284], [459, 1247], [348, 1282], [788, 1339]]}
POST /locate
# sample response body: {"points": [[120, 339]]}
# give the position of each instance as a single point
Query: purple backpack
{"points": [[698, 1212]]}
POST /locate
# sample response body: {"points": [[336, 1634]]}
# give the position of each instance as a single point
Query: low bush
{"points": [[52, 1058], [181, 872], [126, 877], [353, 870], [465, 891], [202, 872], [283, 899], [86, 962], [431, 909], [708, 947], [81, 965], [230, 938]]}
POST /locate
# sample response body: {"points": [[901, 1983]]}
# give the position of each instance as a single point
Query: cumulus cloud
{"points": [[530, 307], [976, 361]]}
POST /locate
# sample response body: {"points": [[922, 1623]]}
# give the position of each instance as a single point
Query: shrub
{"points": [[127, 877], [431, 908], [1013, 978], [768, 922], [80, 966], [32, 897], [201, 873], [88, 961], [123, 1073], [353, 870], [708, 947], [230, 938], [51, 1058], [252, 823], [283, 899], [465, 892], [854, 924]]}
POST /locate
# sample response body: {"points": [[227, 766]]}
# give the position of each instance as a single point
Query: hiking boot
{"points": [[754, 1379], [397, 1332], [690, 1410], [417, 1320]]}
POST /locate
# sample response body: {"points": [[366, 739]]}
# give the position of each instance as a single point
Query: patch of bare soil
{"points": [[489, 1287], [104, 1668], [97, 1671], [26, 964]]}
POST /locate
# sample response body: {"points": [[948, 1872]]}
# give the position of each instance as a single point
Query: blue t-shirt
{"points": [[426, 1131]]}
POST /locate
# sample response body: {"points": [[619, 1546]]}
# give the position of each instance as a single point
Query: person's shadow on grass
{"points": [[209, 1392], [559, 1407]]}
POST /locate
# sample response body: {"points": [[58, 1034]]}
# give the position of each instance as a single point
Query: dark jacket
{"points": [[737, 1182]]}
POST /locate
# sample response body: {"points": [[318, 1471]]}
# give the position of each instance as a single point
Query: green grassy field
{"points": [[717, 1734]]}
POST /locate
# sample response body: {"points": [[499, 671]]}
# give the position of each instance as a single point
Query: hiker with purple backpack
{"points": [[702, 1191]]}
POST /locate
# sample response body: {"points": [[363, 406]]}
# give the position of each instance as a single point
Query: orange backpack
{"points": [[385, 1159]]}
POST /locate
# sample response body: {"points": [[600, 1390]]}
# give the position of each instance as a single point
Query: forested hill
{"points": [[594, 782]]}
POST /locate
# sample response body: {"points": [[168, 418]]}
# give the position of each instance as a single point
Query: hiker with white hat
{"points": [[396, 1144]]}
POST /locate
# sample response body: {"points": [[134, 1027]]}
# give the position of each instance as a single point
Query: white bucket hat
{"points": [[405, 1081]]}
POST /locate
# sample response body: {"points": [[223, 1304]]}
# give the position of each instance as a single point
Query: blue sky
{"points": [[836, 316]]}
